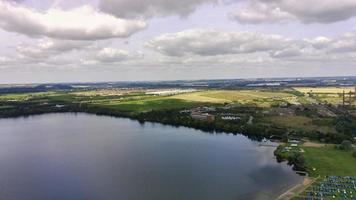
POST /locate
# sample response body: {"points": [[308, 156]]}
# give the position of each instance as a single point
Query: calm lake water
{"points": [[82, 156]]}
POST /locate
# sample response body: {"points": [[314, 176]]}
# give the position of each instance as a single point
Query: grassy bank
{"points": [[320, 161], [329, 161]]}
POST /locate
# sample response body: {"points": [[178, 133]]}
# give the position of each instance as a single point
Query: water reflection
{"points": [[67, 156]]}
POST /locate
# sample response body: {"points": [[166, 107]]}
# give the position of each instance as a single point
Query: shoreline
{"points": [[286, 195], [297, 189]]}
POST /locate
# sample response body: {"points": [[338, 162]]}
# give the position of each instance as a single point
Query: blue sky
{"points": [[116, 40]]}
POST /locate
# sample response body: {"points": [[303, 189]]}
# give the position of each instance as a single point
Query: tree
{"points": [[299, 162], [346, 145]]}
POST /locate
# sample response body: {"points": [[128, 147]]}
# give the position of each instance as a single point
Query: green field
{"points": [[152, 104], [325, 90], [299, 122], [24, 96], [259, 97], [200, 97], [5, 107], [244, 95], [329, 161]]}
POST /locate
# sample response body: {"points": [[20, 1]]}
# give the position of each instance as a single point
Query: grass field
{"points": [[243, 95], [325, 90], [200, 97], [24, 96], [108, 92], [329, 161], [262, 98], [298, 122], [152, 104], [5, 107]]}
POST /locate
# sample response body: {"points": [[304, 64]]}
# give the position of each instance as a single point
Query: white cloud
{"points": [[319, 42], [343, 44], [48, 47], [112, 55], [151, 8], [306, 11], [81, 23], [256, 12], [192, 48], [209, 42], [213, 47], [346, 43], [71, 52], [5, 60]]}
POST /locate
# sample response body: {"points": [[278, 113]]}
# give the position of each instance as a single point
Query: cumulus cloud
{"points": [[347, 43], [48, 47], [209, 42], [5, 60], [151, 8], [209, 47], [256, 12], [15, 0], [323, 49], [343, 44], [113, 55], [271, 11], [70, 52], [81, 23], [197, 47]]}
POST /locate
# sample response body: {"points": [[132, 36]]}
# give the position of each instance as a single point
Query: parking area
{"points": [[331, 187]]}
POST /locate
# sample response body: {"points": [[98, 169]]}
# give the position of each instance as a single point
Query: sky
{"points": [[45, 41]]}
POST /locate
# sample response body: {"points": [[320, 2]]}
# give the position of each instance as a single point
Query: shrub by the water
{"points": [[346, 145]]}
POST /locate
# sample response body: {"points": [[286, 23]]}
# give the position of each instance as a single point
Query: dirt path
{"points": [[313, 144]]}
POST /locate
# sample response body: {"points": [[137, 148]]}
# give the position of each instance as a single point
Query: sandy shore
{"points": [[297, 189]]}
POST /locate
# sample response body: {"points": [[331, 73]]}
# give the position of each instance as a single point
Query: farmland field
{"points": [[241, 96], [244, 95], [24, 96], [152, 104], [106, 92], [298, 122], [201, 97], [325, 90]]}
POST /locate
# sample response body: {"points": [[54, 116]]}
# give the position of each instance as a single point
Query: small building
{"points": [[286, 149], [203, 116], [204, 109], [185, 111], [209, 109], [294, 141], [59, 106], [250, 120], [230, 118]]}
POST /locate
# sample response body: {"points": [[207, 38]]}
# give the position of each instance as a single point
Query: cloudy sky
{"points": [[120, 40]]}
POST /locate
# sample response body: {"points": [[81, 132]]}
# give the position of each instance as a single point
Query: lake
{"points": [[71, 156]]}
